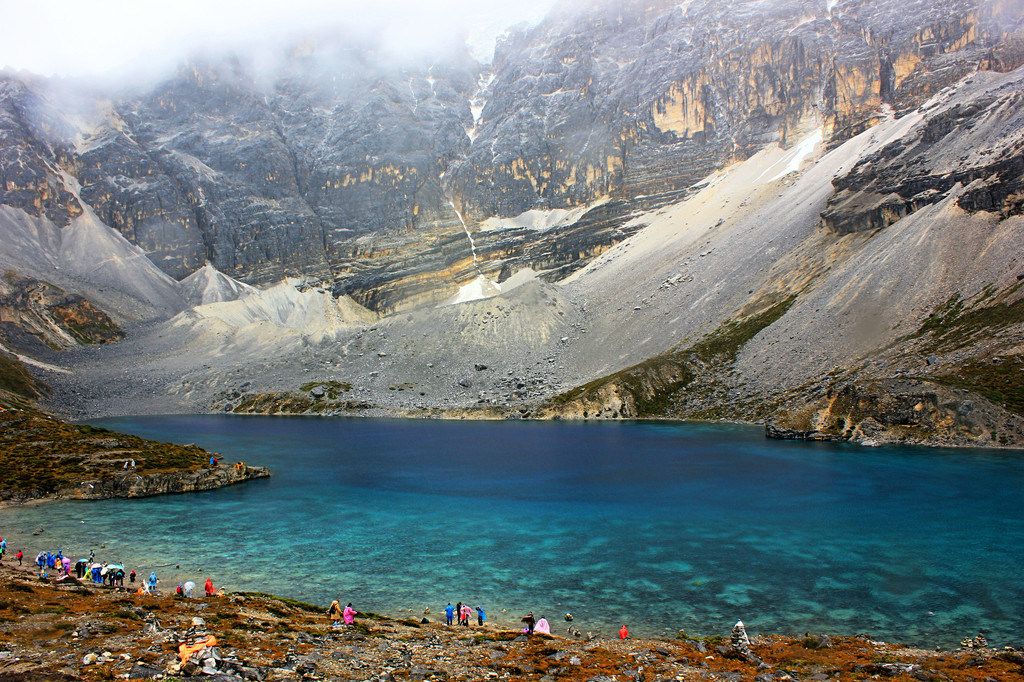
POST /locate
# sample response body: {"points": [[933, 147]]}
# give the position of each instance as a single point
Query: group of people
{"points": [[464, 612], [112, 574], [348, 614], [534, 625], [543, 627], [185, 589]]}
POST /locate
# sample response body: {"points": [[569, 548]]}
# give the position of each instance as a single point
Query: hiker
{"points": [[530, 621], [542, 626], [449, 613], [623, 632], [349, 614], [208, 587], [480, 615], [334, 612]]}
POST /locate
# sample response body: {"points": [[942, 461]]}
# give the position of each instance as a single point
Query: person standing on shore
{"points": [[458, 612], [449, 613], [480, 615], [623, 632], [153, 580], [531, 623], [334, 612], [466, 613], [19, 556], [208, 587], [131, 577], [349, 614]]}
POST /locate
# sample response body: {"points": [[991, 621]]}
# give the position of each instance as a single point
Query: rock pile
{"points": [[977, 642], [739, 646], [199, 655]]}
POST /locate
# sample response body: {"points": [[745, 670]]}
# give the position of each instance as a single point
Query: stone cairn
{"points": [[978, 642], [739, 640], [739, 647]]}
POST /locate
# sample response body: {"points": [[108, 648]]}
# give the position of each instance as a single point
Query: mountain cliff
{"points": [[662, 183]]}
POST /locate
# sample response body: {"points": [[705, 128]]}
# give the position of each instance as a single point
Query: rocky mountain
{"points": [[368, 175], [631, 181]]}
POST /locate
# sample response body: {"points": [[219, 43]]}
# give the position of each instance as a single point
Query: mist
{"points": [[127, 39]]}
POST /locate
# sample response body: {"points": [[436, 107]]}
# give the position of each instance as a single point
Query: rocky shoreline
{"points": [[70, 631], [130, 484], [45, 458]]}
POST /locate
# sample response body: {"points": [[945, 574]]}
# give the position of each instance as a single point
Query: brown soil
{"points": [[48, 629]]}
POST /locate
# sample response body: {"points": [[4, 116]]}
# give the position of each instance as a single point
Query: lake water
{"points": [[664, 527]]}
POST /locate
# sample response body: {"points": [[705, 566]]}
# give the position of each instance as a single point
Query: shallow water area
{"points": [[661, 526]]}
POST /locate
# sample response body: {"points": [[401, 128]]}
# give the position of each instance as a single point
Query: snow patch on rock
{"points": [[537, 219], [791, 160]]}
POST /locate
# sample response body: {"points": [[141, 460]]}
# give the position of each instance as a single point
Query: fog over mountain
{"points": [[806, 213]]}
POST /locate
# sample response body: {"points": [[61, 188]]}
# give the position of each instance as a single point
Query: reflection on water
{"points": [[665, 527]]}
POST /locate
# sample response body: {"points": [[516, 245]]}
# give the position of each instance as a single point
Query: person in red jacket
{"points": [[209, 587], [18, 556], [623, 632]]}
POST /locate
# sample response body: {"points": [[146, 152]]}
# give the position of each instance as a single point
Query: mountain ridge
{"points": [[649, 176]]}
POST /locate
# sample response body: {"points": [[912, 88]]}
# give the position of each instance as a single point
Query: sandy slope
{"points": [[90, 258]]}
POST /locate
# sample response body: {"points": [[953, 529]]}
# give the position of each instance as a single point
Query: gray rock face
{"points": [[33, 138], [372, 177], [130, 484], [975, 142]]}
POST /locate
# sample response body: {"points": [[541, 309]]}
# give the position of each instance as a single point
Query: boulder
{"points": [[142, 671]]}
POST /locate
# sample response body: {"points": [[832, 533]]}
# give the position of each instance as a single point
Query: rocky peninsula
{"points": [[43, 457]]}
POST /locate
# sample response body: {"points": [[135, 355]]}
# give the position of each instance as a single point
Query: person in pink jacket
{"points": [[466, 613], [349, 614]]}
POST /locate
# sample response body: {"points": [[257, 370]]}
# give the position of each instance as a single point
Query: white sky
{"points": [[95, 37]]}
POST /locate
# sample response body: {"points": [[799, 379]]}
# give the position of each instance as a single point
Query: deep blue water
{"points": [[663, 527]]}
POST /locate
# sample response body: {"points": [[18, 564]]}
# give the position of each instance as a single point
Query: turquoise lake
{"points": [[665, 527]]}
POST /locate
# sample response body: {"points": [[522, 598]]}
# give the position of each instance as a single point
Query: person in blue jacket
{"points": [[152, 581], [480, 615], [449, 613]]}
